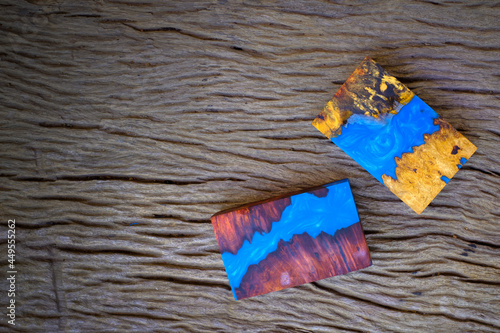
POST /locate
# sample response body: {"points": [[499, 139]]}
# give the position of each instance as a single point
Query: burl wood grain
{"points": [[305, 259], [369, 90], [127, 124], [233, 228]]}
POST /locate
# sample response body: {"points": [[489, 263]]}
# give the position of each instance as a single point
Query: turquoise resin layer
{"points": [[375, 142]]}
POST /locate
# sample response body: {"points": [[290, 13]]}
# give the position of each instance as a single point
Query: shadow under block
{"points": [[291, 240], [394, 135]]}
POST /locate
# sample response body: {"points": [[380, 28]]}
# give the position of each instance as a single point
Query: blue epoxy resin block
{"points": [[291, 240]]}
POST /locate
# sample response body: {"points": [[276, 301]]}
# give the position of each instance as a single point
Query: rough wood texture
{"points": [[127, 124]]}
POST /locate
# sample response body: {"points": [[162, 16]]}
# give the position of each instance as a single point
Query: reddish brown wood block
{"points": [[291, 240]]}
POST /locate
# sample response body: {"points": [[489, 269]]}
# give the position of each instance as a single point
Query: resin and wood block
{"points": [[394, 135], [291, 240]]}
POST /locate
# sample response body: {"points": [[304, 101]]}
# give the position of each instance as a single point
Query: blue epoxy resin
{"points": [[445, 179], [374, 142], [462, 162]]}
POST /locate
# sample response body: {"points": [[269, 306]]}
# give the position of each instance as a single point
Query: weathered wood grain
{"points": [[127, 124]]}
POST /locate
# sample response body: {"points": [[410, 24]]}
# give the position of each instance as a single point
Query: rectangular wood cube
{"points": [[291, 240]]}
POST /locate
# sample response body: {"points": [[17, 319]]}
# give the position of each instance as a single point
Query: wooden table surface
{"points": [[126, 124]]}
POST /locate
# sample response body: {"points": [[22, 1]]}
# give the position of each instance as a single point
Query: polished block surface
{"points": [[394, 135], [291, 240]]}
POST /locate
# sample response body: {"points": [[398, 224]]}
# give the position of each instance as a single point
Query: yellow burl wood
{"points": [[419, 173], [370, 90]]}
